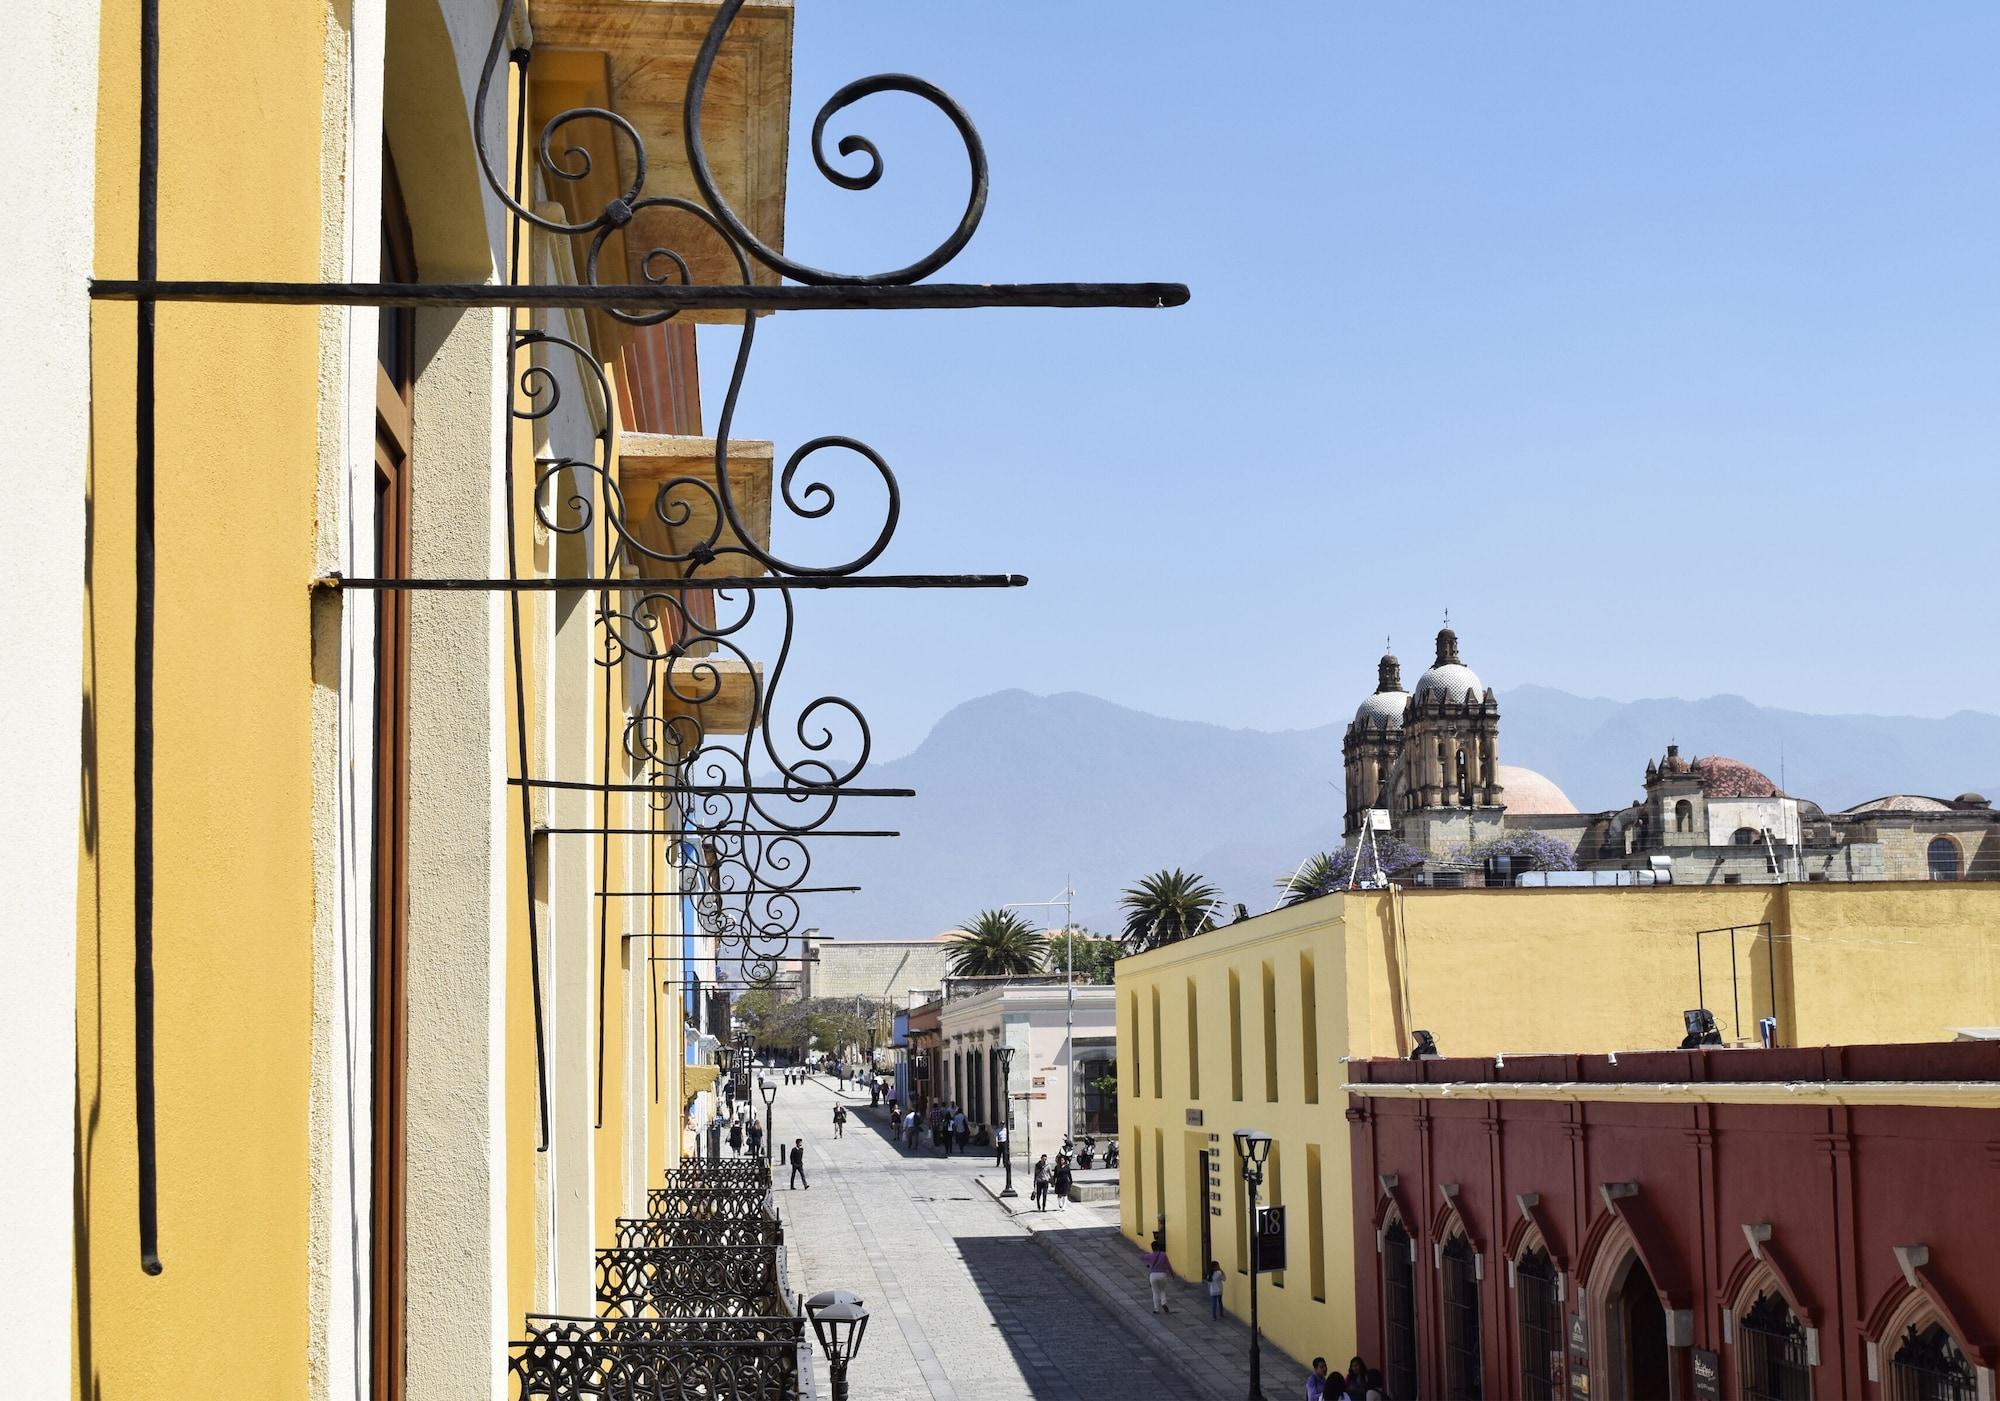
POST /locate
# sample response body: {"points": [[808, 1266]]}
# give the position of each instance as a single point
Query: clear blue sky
{"points": [[1659, 343]]}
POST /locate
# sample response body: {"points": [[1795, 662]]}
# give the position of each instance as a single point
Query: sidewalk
{"points": [[1084, 1239]]}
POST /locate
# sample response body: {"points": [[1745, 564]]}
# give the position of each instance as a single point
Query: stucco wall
{"points": [[46, 403], [238, 395], [884, 971]]}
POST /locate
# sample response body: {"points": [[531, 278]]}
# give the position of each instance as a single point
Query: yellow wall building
{"points": [[353, 1198], [1248, 1026]]}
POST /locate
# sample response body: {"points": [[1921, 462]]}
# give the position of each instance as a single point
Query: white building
{"points": [[1050, 1026]]}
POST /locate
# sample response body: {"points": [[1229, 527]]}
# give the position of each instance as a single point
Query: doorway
{"points": [[1636, 1331]]}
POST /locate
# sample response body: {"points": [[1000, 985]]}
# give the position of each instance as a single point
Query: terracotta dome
{"points": [[1530, 793], [1724, 777]]}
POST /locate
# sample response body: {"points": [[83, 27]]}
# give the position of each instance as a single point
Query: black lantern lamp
{"points": [[770, 1093], [838, 1321], [1425, 1047], [1006, 1094], [1253, 1149]]}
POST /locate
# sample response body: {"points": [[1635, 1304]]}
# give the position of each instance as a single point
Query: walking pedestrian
{"points": [[756, 1139], [1216, 1279], [1000, 1144], [1060, 1180], [798, 1165], [840, 1121], [1158, 1272], [1042, 1183], [736, 1136], [961, 1129]]}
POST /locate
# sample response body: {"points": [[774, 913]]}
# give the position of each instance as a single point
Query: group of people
{"points": [[946, 1124], [1360, 1382], [744, 1132], [1049, 1175]]}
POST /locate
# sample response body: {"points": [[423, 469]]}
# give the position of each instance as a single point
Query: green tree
{"points": [[1165, 908], [998, 944], [1091, 956]]}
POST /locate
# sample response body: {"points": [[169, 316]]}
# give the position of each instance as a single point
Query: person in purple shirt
{"points": [[1324, 1386]]}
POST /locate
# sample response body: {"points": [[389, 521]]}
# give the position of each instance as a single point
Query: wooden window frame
{"points": [[394, 424]]}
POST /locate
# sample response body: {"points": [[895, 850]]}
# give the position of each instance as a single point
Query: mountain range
{"points": [[1016, 792]]}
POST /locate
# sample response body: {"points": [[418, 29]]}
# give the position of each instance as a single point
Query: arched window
{"points": [[1942, 858], [1745, 836], [1540, 1316], [1928, 1366], [1771, 1351], [1399, 1310], [1684, 816], [1464, 782], [1463, 1374]]}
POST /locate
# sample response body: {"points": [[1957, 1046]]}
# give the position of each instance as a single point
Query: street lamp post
{"points": [[770, 1093], [1252, 1148], [839, 1320], [1007, 1094]]}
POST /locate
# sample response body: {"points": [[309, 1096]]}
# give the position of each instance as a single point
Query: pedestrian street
{"points": [[963, 1302]]}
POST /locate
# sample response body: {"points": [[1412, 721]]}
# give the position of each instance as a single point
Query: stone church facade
{"points": [[1422, 767]]}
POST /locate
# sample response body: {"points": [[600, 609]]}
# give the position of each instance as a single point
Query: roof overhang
{"points": [[647, 462], [644, 50]]}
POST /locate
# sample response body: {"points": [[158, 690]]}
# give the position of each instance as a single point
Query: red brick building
{"points": [[1783, 1223]]}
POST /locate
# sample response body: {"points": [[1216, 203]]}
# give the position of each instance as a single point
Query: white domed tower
{"points": [[1446, 792], [1374, 740]]}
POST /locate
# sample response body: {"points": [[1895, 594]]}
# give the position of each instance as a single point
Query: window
{"points": [[1929, 1366], [1464, 782], [1745, 836], [1309, 1025], [1540, 1314], [1097, 1089], [1942, 858], [1462, 1362], [1193, 1041], [1684, 816], [395, 395], [1771, 1352], [1315, 1229], [1270, 1032], [1399, 1310], [1275, 1196], [1159, 1072], [1235, 1036]]}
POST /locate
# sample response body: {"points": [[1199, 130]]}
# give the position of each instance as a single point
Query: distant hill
{"points": [[1014, 790]]}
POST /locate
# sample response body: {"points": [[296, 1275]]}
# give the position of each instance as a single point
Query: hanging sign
{"points": [[1707, 1374], [1269, 1249]]}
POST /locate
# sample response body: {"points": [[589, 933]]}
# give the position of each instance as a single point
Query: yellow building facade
{"points": [[417, 1041], [1248, 1027]]}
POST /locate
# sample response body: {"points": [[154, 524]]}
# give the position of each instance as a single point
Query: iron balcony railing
{"points": [[598, 1359], [676, 1233], [707, 1204], [696, 1281]]}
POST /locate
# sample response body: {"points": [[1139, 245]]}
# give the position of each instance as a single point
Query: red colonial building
{"points": [[1787, 1223]]}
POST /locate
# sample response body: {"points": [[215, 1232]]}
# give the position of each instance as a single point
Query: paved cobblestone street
{"points": [[964, 1302]]}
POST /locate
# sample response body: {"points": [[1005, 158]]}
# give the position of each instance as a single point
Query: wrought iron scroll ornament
{"points": [[753, 849]]}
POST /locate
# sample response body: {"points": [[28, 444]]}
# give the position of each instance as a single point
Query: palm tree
{"points": [[1166, 907], [998, 944]]}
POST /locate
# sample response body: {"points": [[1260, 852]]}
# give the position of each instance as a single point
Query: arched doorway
{"points": [[1635, 1336]]}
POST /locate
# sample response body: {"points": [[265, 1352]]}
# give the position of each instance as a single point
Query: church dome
{"points": [[1529, 793], [1384, 708], [1449, 678], [1902, 802], [1723, 777]]}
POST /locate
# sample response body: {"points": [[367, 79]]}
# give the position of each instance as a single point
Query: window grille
{"points": [[1462, 1370], [1771, 1352], [1929, 1367], [1541, 1325], [1399, 1311]]}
